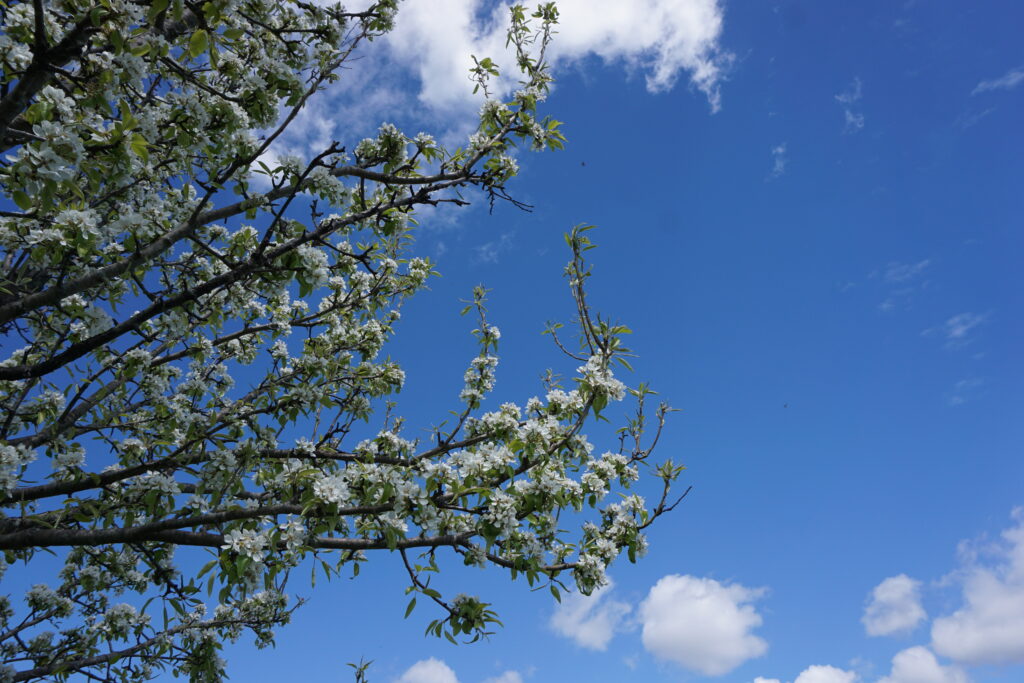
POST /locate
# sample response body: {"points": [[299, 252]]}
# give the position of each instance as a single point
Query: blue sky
{"points": [[810, 214]]}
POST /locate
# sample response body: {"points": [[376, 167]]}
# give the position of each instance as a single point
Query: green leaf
{"points": [[156, 8], [410, 608], [23, 201], [140, 146], [198, 43]]}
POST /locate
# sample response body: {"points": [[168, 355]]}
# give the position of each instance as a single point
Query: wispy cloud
{"points": [[965, 390], [970, 118], [957, 329], [779, 161], [1011, 79], [854, 119], [904, 281], [490, 252], [901, 272], [507, 677], [853, 93], [897, 298]]}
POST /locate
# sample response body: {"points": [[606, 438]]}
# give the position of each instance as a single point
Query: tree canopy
{"points": [[194, 396]]}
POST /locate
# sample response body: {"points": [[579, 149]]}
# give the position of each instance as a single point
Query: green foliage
{"points": [[194, 373]]}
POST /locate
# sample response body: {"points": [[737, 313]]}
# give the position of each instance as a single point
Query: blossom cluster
{"points": [[198, 325]]}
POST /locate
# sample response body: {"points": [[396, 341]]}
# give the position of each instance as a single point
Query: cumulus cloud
{"points": [[918, 665], [1011, 79], [665, 39], [701, 624], [989, 628], [589, 620], [428, 671], [819, 673], [895, 607]]}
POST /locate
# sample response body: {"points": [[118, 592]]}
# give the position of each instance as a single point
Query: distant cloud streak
{"points": [[1011, 79], [849, 98], [904, 278], [490, 252], [959, 326], [779, 161], [901, 272]]}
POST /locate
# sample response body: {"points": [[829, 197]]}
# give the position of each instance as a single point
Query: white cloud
{"points": [[902, 272], [665, 39], [817, 673], [989, 628], [428, 671], [434, 41], [489, 252], [779, 161], [851, 94], [825, 674], [1011, 79], [507, 677], [957, 327], [849, 98], [918, 665], [895, 607], [854, 121], [701, 624], [591, 621], [965, 390], [970, 118], [440, 37]]}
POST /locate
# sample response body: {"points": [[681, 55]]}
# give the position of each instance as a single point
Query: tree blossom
{"points": [[197, 324]]}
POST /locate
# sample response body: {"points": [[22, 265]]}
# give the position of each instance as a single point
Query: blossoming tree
{"points": [[151, 253]]}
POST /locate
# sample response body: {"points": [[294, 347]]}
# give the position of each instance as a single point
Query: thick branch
{"points": [[39, 72], [42, 537], [76, 351]]}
